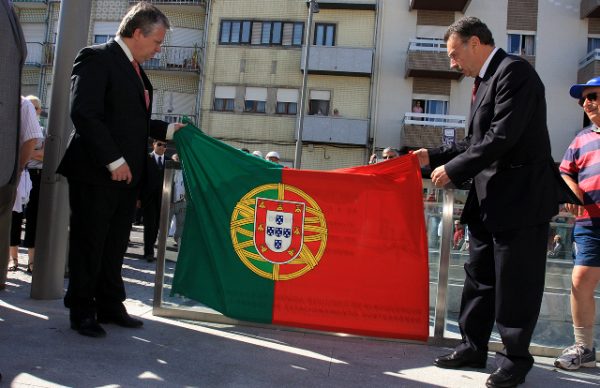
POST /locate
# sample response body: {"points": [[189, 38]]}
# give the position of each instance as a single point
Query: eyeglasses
{"points": [[161, 144], [591, 97]]}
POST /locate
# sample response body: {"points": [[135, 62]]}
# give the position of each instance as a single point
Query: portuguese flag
{"points": [[342, 250]]}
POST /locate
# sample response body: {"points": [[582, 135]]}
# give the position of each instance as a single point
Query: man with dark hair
{"points": [[105, 164], [516, 190]]}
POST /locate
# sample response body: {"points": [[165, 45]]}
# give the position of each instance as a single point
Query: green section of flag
{"points": [[208, 269]]}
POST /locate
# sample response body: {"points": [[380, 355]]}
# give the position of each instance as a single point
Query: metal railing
{"points": [[592, 56], [173, 2], [39, 54], [434, 120], [176, 58], [446, 259], [170, 117], [435, 45]]}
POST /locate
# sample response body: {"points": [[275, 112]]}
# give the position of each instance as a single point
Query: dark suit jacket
{"points": [[506, 151], [153, 184], [109, 112]]}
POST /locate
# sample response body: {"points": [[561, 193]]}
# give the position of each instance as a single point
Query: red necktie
{"points": [[136, 66], [474, 90]]}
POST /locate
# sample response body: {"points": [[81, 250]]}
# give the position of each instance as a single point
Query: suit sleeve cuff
{"points": [[116, 164]]}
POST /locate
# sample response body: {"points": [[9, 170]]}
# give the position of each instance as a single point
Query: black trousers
{"points": [[99, 234], [151, 220], [504, 283], [31, 210]]}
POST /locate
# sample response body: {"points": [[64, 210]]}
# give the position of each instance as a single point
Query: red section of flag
{"points": [[373, 276]]}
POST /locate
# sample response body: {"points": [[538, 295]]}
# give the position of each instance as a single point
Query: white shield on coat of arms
{"points": [[278, 229]]}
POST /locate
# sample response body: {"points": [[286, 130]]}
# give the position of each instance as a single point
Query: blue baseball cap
{"points": [[576, 90]]}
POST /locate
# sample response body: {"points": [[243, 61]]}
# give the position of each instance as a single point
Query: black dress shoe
{"points": [[501, 378], [149, 258], [461, 359], [88, 327], [121, 319]]}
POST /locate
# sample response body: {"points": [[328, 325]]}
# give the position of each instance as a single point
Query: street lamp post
{"points": [[313, 7]]}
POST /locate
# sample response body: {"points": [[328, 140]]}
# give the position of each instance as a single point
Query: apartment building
{"points": [[175, 72], [378, 74], [558, 37]]}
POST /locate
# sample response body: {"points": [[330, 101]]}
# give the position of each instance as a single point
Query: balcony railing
{"points": [[176, 58], [589, 66], [436, 5], [336, 130], [347, 4], [335, 60], [171, 117], [173, 2], [431, 130], [39, 54], [427, 58]]}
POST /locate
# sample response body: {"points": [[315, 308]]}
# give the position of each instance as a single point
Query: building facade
{"points": [[378, 74]]}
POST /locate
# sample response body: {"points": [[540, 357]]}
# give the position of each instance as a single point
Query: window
{"points": [[521, 44], [224, 98], [255, 100], [287, 101], [318, 103], [324, 34], [271, 33], [436, 107], [593, 44], [99, 39]]}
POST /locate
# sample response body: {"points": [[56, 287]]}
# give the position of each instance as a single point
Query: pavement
{"points": [[40, 350]]}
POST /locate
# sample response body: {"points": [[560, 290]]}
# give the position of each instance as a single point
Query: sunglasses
{"points": [[161, 144], [591, 97]]}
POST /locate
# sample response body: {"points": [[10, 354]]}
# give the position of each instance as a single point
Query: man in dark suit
{"points": [[151, 195], [14, 52], [105, 164], [515, 192]]}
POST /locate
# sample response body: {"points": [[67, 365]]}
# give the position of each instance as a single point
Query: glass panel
{"points": [[528, 45], [225, 32], [246, 28], [260, 106], [287, 34], [319, 33], [297, 38], [266, 33], [235, 32], [219, 103], [514, 44], [432, 198], [276, 33], [292, 108], [593, 44], [329, 38], [281, 107], [229, 105]]}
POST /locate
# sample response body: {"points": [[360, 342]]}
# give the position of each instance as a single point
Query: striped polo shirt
{"points": [[582, 163]]}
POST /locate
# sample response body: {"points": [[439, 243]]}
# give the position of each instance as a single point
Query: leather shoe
{"points": [[121, 318], [88, 327], [461, 359], [149, 258], [501, 378]]}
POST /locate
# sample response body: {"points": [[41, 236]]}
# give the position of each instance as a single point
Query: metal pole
{"points": [[313, 7], [53, 215], [441, 304]]}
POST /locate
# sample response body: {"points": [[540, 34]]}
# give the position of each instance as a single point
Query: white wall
{"points": [[398, 26], [561, 42]]}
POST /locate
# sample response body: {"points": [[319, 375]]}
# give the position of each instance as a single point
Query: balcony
{"points": [[337, 130], [437, 5], [427, 58], [589, 9], [172, 2], [335, 60], [39, 54], [347, 4], [30, 3], [430, 130], [589, 66], [176, 58]]}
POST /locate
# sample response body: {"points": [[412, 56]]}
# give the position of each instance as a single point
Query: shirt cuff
{"points": [[170, 131], [116, 164]]}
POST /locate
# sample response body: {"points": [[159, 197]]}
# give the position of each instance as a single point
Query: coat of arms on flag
{"points": [[278, 229]]}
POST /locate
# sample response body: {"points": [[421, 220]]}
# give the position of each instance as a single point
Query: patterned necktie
{"points": [[136, 66], [475, 87]]}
